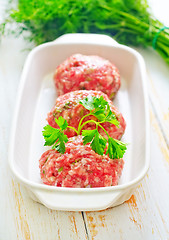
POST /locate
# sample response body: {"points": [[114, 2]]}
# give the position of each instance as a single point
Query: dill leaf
{"points": [[128, 21]]}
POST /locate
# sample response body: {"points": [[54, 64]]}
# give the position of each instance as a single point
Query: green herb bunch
{"points": [[127, 21], [99, 108]]}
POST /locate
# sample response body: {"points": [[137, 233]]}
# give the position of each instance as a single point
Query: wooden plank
{"points": [[3, 6], [158, 88], [34, 221], [145, 214], [27, 219]]}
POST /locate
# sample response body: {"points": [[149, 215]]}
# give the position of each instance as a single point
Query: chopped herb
{"points": [[81, 112], [77, 160], [67, 105], [88, 79], [60, 169], [57, 111]]}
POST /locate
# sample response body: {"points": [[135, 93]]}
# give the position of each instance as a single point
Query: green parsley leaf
{"points": [[98, 143], [95, 103], [88, 135], [111, 117], [100, 104], [62, 139], [103, 112], [100, 108], [60, 169], [116, 148], [50, 135], [56, 137], [61, 122], [88, 102]]}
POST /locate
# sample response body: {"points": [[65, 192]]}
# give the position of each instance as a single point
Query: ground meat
{"points": [[80, 72], [69, 108], [79, 167]]}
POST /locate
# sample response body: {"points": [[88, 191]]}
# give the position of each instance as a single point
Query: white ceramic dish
{"points": [[37, 95]]}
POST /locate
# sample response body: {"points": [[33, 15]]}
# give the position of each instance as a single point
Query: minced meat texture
{"points": [[69, 108], [79, 167], [81, 72]]}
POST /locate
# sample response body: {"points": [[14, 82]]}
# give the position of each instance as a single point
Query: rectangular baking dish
{"points": [[36, 96]]}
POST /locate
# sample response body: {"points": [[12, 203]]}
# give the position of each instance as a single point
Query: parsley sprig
{"points": [[99, 108], [56, 137]]}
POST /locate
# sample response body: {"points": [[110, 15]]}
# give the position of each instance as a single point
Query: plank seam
{"points": [[157, 108], [162, 129], [85, 225]]}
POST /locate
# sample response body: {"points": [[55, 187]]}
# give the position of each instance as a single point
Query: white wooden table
{"points": [[144, 216]]}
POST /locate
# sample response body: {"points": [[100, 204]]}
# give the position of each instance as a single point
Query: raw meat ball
{"points": [[69, 108], [81, 72], [79, 167]]}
